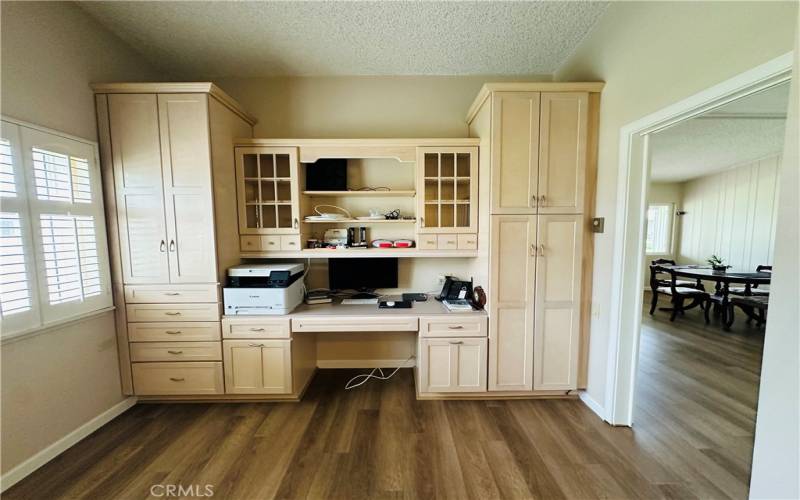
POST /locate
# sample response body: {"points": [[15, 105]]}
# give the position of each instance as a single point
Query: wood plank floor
{"points": [[692, 438]]}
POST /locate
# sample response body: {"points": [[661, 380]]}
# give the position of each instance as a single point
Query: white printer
{"points": [[263, 289]]}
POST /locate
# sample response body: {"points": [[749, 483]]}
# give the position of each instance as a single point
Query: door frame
{"points": [[628, 265]]}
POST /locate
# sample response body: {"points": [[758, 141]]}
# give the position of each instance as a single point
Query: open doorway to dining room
{"points": [[710, 227]]}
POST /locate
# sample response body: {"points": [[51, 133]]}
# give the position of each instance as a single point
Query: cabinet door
{"points": [[515, 152], [447, 190], [136, 159], [562, 152], [452, 365], [268, 190], [558, 293], [186, 160], [257, 366], [511, 302]]}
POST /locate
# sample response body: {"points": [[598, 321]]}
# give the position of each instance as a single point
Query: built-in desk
{"points": [[262, 354]]}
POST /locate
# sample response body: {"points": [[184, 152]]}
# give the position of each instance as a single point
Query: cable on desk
{"points": [[362, 379]]}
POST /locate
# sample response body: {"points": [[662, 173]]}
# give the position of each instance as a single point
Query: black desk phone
{"points": [[455, 289]]}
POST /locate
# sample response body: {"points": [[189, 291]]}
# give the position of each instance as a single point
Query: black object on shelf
{"points": [[327, 174]]}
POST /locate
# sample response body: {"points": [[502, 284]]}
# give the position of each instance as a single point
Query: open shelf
{"points": [[406, 193], [350, 253], [357, 221]]}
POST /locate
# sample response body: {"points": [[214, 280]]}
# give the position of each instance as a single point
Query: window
{"points": [[659, 229], [52, 229]]}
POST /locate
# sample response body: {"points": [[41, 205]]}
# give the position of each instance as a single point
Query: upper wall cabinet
{"points": [[268, 190], [538, 152], [447, 190]]}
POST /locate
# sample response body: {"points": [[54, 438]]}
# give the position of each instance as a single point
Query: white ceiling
{"points": [[740, 132], [203, 40]]}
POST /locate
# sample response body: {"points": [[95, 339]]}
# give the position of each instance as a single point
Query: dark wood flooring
{"points": [[692, 438]]}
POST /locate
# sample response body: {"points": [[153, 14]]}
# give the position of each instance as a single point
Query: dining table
{"points": [[723, 280]]}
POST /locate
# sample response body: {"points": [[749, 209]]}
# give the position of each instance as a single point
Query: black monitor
{"points": [[362, 274]]}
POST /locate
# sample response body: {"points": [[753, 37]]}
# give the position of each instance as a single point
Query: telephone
{"points": [[455, 289]]}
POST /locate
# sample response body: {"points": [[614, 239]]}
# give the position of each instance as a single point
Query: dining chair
{"points": [[754, 289], [658, 282], [754, 306], [680, 294]]}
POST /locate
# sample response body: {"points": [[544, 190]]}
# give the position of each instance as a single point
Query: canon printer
{"points": [[263, 289]]}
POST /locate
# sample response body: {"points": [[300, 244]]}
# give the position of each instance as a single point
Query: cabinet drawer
{"points": [[261, 328], [176, 351], [169, 312], [355, 324], [170, 294], [459, 326], [290, 242], [171, 332], [427, 242], [156, 379], [447, 242], [467, 241], [256, 243]]}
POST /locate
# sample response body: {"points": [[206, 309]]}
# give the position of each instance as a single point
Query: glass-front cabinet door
{"points": [[267, 190], [447, 189]]}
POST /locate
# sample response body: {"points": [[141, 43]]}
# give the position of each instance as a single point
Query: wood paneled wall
{"points": [[731, 214]]}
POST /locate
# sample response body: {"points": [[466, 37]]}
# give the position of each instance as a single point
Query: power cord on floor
{"points": [[362, 379]]}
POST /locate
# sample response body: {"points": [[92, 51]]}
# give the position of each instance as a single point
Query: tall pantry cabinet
{"points": [[169, 179], [540, 143]]}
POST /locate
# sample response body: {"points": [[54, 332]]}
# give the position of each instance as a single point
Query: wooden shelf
{"points": [[335, 194], [268, 203], [354, 221], [268, 179], [349, 253], [450, 178], [447, 202]]}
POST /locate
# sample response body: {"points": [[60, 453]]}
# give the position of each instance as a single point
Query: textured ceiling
{"points": [[201, 40], [712, 143]]}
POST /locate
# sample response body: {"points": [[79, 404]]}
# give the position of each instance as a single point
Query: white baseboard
{"points": [[365, 363], [22, 470], [592, 404]]}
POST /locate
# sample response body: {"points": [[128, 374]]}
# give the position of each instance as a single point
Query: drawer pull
{"points": [[175, 352], [256, 345], [256, 329], [457, 327], [176, 313], [173, 332], [172, 294], [177, 379], [456, 342]]}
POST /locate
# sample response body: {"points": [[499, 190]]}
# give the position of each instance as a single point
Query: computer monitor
{"points": [[362, 274]]}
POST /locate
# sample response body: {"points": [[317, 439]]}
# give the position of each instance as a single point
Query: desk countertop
{"points": [[427, 308]]}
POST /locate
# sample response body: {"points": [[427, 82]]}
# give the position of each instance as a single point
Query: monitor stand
{"points": [[364, 294]]}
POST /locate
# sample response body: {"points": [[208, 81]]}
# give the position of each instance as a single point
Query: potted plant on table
{"points": [[717, 264]]}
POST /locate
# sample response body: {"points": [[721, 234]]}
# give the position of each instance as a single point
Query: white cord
{"points": [[351, 384]]}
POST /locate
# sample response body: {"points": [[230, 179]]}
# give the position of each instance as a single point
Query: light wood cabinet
{"points": [[447, 191], [515, 152], [258, 366], [452, 364], [267, 192], [558, 294], [511, 308], [562, 152], [178, 378], [162, 171]]}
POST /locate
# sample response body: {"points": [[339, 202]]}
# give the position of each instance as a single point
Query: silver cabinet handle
{"points": [[173, 332], [542, 200], [172, 294], [457, 327], [456, 342], [162, 247], [256, 345], [533, 250], [422, 221], [176, 313], [534, 200], [256, 329], [175, 352], [541, 250], [177, 379], [171, 245], [296, 222]]}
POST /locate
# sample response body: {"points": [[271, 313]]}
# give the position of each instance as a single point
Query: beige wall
{"points": [[652, 54], [50, 53], [732, 214]]}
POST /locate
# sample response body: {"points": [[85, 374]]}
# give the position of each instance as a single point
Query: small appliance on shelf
{"points": [[263, 289]]}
